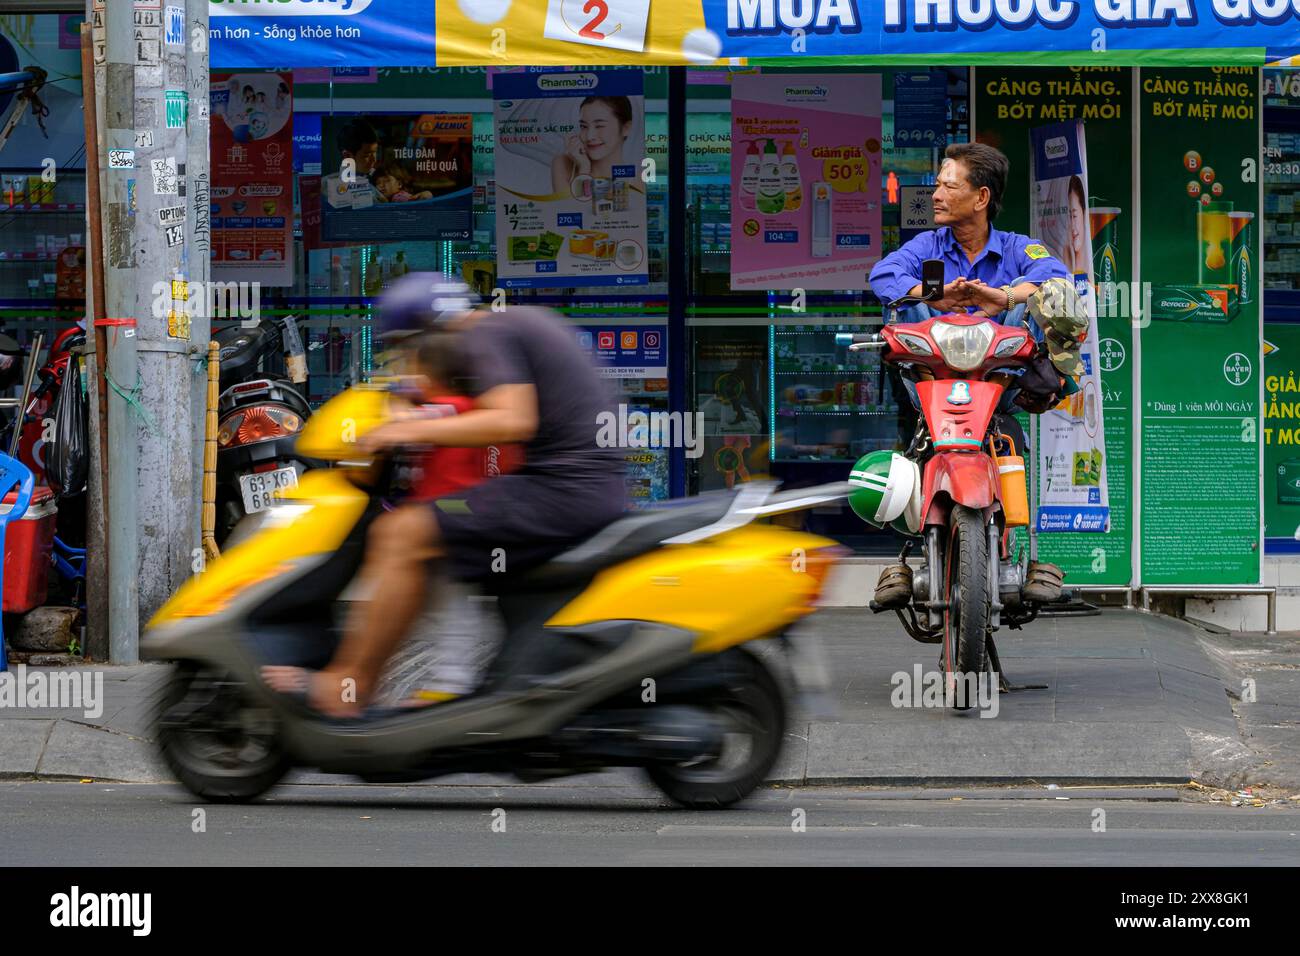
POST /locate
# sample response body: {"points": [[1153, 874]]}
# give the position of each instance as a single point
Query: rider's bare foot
{"points": [[327, 692], [286, 680]]}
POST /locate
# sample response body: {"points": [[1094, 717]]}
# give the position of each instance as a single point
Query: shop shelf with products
{"points": [[709, 222], [1282, 210], [828, 404], [1280, 260], [44, 225]]}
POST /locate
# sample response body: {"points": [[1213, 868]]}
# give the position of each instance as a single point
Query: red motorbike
{"points": [[971, 583]]}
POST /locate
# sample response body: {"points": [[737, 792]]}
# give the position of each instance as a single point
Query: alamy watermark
{"points": [[73, 909], [223, 300], [23, 689], [640, 429], [930, 689]]}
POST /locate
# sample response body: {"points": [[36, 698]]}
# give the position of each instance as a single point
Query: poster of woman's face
{"points": [[1064, 226]]}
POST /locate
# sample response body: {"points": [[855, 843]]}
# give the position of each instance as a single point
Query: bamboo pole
{"points": [[210, 549]]}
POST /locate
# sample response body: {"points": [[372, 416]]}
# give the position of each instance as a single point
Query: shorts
{"points": [[509, 524]]}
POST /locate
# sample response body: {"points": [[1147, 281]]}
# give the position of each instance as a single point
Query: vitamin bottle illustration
{"points": [[771, 191], [790, 177], [749, 178]]}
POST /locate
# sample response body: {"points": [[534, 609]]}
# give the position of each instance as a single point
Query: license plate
{"points": [[264, 489]]}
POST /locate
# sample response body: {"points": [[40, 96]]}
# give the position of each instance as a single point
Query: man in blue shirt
{"points": [[985, 270]]}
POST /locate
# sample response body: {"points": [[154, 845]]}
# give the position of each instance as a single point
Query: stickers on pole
{"points": [[178, 108], [98, 38], [121, 159], [612, 24], [174, 24], [171, 216], [148, 35], [164, 177]]}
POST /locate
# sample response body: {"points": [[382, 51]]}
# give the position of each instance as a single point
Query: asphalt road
{"points": [[583, 824]]}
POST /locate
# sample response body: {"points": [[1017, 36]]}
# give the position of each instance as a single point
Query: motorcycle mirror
{"points": [[931, 280]]}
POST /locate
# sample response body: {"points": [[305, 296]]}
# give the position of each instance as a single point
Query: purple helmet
{"points": [[418, 301]]}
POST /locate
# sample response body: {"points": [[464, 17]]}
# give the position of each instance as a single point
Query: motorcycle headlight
{"points": [[914, 343], [963, 346]]}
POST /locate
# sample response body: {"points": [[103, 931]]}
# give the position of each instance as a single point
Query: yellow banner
{"points": [[595, 32]]}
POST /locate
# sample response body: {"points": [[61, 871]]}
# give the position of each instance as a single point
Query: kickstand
{"points": [[1004, 685]]}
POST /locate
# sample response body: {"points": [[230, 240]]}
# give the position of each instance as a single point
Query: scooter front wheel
{"points": [[966, 620], [220, 746], [752, 709]]}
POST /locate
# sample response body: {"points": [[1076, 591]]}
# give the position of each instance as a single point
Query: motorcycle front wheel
{"points": [[967, 617], [220, 746]]}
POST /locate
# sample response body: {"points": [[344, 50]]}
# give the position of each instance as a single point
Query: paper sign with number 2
{"points": [[617, 24]]}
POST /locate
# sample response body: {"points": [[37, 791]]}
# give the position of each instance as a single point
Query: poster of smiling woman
{"points": [[570, 206], [1073, 493]]}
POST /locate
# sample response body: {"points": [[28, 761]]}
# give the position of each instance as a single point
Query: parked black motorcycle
{"points": [[259, 417]]}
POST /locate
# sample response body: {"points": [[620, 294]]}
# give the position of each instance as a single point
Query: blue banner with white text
{"points": [[349, 33]]}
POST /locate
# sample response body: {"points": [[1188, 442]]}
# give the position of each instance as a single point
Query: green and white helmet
{"points": [[887, 491]]}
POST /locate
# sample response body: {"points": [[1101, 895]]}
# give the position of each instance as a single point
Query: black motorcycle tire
{"points": [[231, 781], [752, 701], [966, 620]]}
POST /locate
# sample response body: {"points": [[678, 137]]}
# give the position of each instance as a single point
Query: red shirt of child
{"points": [[446, 469]]}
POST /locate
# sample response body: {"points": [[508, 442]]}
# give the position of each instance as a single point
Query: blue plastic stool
{"points": [[13, 474]]}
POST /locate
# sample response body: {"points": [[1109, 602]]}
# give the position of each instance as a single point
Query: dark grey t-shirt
{"points": [[531, 346]]}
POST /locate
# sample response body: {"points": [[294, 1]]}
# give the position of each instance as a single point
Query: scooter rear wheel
{"points": [[220, 746], [753, 710]]}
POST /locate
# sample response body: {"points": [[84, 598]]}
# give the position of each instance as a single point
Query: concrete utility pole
{"points": [[198, 232], [151, 245]]}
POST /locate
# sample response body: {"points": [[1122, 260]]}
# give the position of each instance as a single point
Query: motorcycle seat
{"points": [[626, 538]]}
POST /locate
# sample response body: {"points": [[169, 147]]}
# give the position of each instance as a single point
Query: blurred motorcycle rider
{"points": [[531, 384]]}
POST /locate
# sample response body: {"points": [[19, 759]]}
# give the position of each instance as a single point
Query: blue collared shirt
{"points": [[1006, 257]]}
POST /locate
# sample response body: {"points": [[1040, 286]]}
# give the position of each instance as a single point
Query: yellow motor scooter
{"points": [[625, 651]]}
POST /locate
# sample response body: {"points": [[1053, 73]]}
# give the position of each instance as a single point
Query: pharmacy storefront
{"points": [[702, 186]]}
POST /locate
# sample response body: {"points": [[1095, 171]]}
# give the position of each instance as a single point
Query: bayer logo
{"points": [[1112, 354], [1237, 369]]}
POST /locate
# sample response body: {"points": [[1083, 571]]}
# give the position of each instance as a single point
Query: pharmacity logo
{"points": [[1056, 148], [806, 92], [567, 81]]}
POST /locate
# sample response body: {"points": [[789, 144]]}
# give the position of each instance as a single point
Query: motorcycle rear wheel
{"points": [[753, 709], [967, 618], [221, 747]]}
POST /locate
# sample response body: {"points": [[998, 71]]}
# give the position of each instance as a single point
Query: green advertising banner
{"points": [[1009, 102], [1200, 318], [1281, 435]]}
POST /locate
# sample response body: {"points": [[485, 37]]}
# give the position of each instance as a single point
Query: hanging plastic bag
{"points": [[68, 459]]}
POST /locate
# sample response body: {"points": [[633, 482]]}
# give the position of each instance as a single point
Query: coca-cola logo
{"points": [[493, 461]]}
